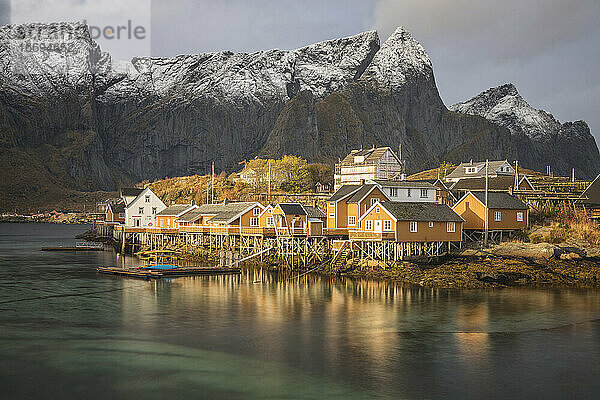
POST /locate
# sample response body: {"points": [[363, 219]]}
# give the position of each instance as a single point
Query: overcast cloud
{"points": [[548, 48]]}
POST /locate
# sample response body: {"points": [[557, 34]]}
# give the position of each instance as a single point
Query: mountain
{"points": [[71, 117], [562, 146]]}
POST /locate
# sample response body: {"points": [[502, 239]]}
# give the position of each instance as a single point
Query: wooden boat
{"points": [[148, 272]]}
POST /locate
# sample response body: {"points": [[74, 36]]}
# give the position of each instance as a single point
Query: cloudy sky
{"points": [[548, 48]]}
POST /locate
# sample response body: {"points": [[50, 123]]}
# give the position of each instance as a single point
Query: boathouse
{"points": [[141, 210], [168, 218], [409, 222], [505, 212]]}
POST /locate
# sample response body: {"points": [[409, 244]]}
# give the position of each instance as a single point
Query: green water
{"points": [[67, 332]]}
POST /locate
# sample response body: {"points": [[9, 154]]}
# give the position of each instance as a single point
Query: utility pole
{"points": [[269, 191], [485, 234], [212, 184], [516, 187]]}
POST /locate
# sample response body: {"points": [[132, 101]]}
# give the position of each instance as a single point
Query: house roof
{"points": [[117, 207], [292, 208], [175, 209], [459, 172], [314, 212], [421, 184], [370, 155], [344, 191], [501, 200], [421, 211], [592, 192], [501, 182], [219, 212], [131, 191], [361, 193]]}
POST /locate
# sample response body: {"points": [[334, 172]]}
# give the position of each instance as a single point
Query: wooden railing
{"points": [[256, 230], [362, 235], [335, 231]]}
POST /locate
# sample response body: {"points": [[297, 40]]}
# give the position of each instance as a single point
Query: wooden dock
{"points": [[149, 273], [73, 248]]}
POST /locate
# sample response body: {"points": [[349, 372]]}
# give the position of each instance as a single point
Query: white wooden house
{"points": [[141, 210]]}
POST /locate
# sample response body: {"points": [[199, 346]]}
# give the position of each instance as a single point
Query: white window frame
{"points": [[140, 210], [387, 225], [394, 192], [519, 216], [377, 210], [431, 224], [162, 222], [270, 222], [331, 215], [147, 200], [368, 225], [374, 200], [254, 221], [413, 226], [450, 227], [154, 210], [470, 170], [352, 220], [408, 194], [424, 193], [256, 211], [497, 216]]}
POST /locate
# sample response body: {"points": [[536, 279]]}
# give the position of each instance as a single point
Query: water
{"points": [[67, 332]]}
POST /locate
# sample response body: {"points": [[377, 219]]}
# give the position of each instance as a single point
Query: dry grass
{"points": [[569, 223]]}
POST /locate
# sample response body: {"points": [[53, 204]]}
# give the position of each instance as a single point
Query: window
{"points": [[368, 225], [377, 210], [450, 227], [254, 221], [470, 170], [373, 201], [497, 216], [162, 222], [153, 210], [423, 193], [387, 225], [269, 221], [256, 211], [394, 192], [331, 215], [352, 220], [413, 226], [431, 224], [147, 198], [520, 216], [407, 192], [141, 210], [121, 215]]}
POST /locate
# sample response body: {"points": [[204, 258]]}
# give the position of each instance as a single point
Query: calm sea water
{"points": [[67, 332]]}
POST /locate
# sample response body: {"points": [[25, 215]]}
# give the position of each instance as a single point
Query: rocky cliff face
{"points": [[92, 122], [562, 146]]}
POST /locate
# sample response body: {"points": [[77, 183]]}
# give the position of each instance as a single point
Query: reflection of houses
{"points": [[500, 183], [409, 222], [141, 206], [364, 165], [477, 170], [168, 217], [505, 212]]}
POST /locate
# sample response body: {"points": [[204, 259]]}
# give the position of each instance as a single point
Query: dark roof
{"points": [[592, 192], [459, 172], [422, 211], [501, 182], [501, 200], [406, 184], [220, 212], [361, 193], [117, 208], [314, 212], [343, 192], [292, 208], [131, 191], [174, 209]]}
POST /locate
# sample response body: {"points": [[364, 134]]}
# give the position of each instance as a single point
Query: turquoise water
{"points": [[67, 332]]}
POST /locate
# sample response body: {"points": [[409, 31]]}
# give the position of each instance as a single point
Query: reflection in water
{"points": [[265, 334]]}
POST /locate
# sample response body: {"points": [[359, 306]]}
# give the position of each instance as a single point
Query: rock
{"points": [[570, 256], [544, 251]]}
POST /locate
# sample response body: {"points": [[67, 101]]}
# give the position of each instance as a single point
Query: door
{"points": [[378, 226]]}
